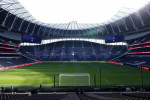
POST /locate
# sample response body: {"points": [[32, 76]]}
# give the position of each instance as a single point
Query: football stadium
{"points": [[73, 60]]}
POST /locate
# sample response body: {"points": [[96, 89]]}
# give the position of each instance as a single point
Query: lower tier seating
{"points": [[12, 61], [32, 97]]}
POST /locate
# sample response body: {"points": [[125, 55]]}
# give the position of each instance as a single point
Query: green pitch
{"points": [[43, 73]]}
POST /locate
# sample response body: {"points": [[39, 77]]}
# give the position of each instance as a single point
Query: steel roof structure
{"points": [[14, 7], [17, 18]]}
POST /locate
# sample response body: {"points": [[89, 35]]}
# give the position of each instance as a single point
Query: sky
{"points": [[82, 11]]}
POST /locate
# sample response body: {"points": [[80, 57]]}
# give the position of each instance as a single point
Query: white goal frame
{"points": [[75, 74]]}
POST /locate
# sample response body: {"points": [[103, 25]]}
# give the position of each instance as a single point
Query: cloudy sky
{"points": [[82, 11]]}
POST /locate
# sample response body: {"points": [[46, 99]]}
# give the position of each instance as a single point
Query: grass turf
{"points": [[112, 75]]}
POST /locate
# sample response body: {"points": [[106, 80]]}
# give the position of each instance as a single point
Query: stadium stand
{"points": [[114, 96], [72, 96], [9, 54], [20, 96], [125, 96], [73, 51], [138, 52], [12, 61]]}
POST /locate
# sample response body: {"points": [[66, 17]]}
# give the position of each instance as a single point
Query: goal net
{"points": [[78, 79]]}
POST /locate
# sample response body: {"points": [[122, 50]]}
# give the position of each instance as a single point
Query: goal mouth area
{"points": [[74, 79]]}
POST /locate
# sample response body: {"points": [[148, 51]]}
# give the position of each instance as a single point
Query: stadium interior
{"points": [[29, 47]]}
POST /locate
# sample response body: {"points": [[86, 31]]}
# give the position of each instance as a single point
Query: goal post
{"points": [[75, 79]]}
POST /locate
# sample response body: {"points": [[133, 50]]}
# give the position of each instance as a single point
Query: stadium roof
{"points": [[14, 7]]}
